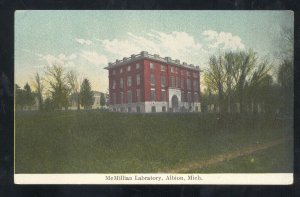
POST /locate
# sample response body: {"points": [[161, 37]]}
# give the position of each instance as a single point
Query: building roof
{"points": [[155, 57]]}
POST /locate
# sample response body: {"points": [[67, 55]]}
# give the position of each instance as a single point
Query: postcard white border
{"points": [[161, 179]]}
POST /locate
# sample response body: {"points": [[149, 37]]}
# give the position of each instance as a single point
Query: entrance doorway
{"points": [[175, 103]]}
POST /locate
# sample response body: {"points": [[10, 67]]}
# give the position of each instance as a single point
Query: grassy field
{"points": [[103, 142]]}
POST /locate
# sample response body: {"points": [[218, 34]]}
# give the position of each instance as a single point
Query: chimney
{"points": [[144, 53], [132, 56], [168, 59], [156, 55], [177, 61]]}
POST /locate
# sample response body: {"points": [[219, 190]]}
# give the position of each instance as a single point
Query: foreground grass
{"points": [[99, 142]]}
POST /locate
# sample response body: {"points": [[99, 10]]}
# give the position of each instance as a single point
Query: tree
{"points": [[86, 94], [73, 82], [28, 96], [214, 78], [39, 88], [20, 101], [102, 100], [58, 87]]}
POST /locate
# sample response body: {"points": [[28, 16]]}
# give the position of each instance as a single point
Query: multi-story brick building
{"points": [[150, 83]]}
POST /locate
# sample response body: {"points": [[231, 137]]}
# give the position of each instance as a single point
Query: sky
{"points": [[85, 41]]}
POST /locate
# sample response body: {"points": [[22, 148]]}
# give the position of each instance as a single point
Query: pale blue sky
{"points": [[86, 41]]}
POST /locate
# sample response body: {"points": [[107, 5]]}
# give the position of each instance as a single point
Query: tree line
{"points": [[239, 81], [56, 89]]}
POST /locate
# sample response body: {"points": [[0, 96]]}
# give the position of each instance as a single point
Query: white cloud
{"points": [[178, 45], [93, 57], [83, 41], [223, 40]]}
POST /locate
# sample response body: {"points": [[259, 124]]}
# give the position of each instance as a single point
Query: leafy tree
{"points": [[86, 94], [39, 88], [49, 104], [59, 90], [102, 100]]}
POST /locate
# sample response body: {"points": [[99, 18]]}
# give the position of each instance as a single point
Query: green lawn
{"points": [[103, 142]]}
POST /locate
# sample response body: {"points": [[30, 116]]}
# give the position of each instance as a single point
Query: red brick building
{"points": [[150, 83]]}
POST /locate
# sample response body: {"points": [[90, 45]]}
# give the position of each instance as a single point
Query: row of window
{"points": [[174, 82], [163, 68], [163, 96]]}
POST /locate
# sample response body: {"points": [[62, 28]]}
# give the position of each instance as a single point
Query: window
{"points": [[163, 81], [114, 72], [173, 69], [182, 83], [152, 66], [182, 97], [188, 73], [121, 70], [129, 81], [129, 109], [152, 95], [137, 66], [196, 86], [163, 95], [162, 68], [177, 82], [121, 97], [153, 109], [114, 98], [114, 84], [196, 97], [129, 68], [121, 83], [189, 97], [188, 84], [172, 81], [129, 97], [182, 72], [152, 79], [195, 75], [138, 95], [163, 109], [138, 79]]}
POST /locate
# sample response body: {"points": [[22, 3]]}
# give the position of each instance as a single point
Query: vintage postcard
{"points": [[154, 97]]}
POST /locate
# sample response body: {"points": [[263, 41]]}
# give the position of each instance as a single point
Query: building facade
{"points": [[149, 83]]}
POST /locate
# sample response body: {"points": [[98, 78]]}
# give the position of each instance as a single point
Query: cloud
{"points": [[83, 41], [224, 40], [61, 59], [93, 57], [178, 45]]}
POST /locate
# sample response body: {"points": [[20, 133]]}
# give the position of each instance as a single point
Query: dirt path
{"points": [[228, 156]]}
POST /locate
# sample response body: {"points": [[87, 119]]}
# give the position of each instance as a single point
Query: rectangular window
{"points": [[121, 70], [196, 97], [177, 82], [182, 83], [114, 84], [189, 97], [173, 69], [182, 97], [162, 68], [163, 81], [138, 95], [152, 95], [152, 66], [163, 95], [195, 75], [114, 72], [129, 97], [188, 73], [129, 68], [137, 66], [138, 79], [172, 81], [121, 83], [188, 84], [121, 97], [114, 98], [196, 86], [182, 72], [129, 81], [152, 79]]}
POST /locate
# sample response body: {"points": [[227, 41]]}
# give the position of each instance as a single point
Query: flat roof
{"points": [[155, 57]]}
